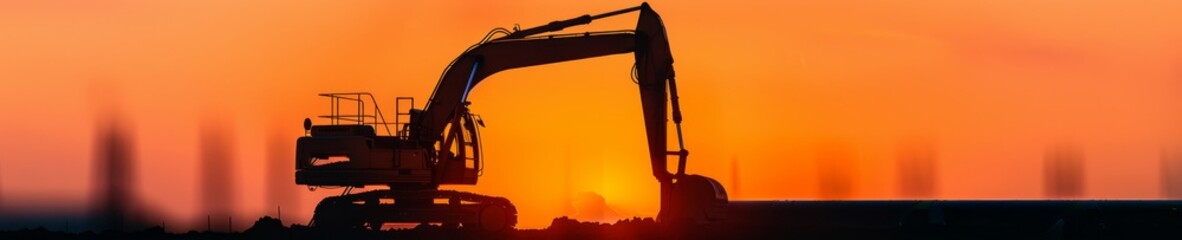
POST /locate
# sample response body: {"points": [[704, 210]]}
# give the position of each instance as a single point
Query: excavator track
{"points": [[372, 209]]}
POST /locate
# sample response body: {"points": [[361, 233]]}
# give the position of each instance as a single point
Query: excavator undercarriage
{"points": [[450, 208]]}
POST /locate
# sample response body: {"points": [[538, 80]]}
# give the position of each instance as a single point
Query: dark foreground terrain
{"points": [[563, 228], [270, 228], [1090, 219]]}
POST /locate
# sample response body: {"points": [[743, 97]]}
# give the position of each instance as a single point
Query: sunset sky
{"points": [[770, 86]]}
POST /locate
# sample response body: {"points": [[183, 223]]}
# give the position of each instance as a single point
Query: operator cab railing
{"points": [[356, 102]]}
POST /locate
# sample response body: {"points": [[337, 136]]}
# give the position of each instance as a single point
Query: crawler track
{"points": [[449, 208]]}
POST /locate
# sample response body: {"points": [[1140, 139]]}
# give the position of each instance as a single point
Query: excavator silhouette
{"points": [[440, 144]]}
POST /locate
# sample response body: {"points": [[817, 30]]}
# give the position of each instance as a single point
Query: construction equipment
{"points": [[440, 144]]}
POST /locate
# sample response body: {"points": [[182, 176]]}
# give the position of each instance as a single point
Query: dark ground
{"points": [[564, 228], [270, 228], [1010, 219]]}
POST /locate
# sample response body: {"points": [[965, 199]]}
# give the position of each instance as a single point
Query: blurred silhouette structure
{"points": [[835, 164], [1064, 172], [116, 204], [917, 169], [114, 178], [217, 172], [1171, 173], [280, 193], [440, 144]]}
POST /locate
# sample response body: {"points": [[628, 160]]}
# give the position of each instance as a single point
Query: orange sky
{"points": [[991, 85]]}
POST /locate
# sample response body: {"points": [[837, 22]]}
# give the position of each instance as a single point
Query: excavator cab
{"points": [[358, 147]]}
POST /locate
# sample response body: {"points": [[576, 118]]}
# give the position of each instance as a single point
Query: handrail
{"points": [[403, 131], [335, 117]]}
